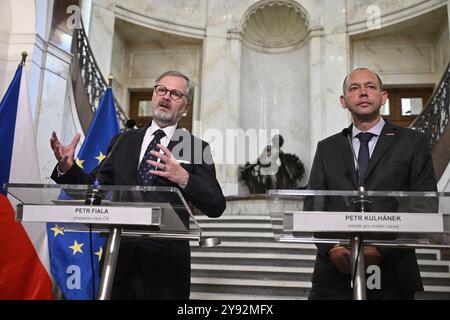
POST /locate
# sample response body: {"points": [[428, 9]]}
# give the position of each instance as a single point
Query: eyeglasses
{"points": [[174, 93]]}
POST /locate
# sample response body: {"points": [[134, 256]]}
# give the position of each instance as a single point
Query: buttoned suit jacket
{"points": [[401, 161], [164, 263]]}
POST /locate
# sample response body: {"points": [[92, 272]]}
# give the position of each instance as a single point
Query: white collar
{"points": [[376, 129], [169, 130]]}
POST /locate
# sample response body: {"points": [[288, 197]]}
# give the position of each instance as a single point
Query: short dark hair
{"points": [[190, 84], [344, 84], [278, 138]]}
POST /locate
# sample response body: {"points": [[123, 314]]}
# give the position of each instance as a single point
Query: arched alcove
{"points": [[275, 26], [275, 73]]}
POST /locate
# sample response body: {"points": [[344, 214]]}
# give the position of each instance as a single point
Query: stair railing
{"points": [[434, 118], [433, 122], [86, 69]]}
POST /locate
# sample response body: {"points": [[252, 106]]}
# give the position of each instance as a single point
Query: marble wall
{"points": [[443, 44], [4, 44], [327, 116], [101, 34], [410, 52], [56, 108], [17, 34], [137, 66], [359, 11], [144, 63], [5, 27], [21, 30], [398, 60], [25, 26], [275, 95], [229, 70], [86, 14], [176, 12], [118, 71], [237, 87]]}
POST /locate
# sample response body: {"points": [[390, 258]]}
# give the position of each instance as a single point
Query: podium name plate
{"points": [[89, 214], [363, 222]]}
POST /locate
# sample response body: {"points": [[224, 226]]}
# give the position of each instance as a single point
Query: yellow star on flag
{"points": [[57, 230], [80, 163], [76, 247], [100, 157], [99, 253]]}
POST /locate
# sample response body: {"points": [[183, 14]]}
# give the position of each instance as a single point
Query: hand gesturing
{"points": [[64, 154], [169, 167]]}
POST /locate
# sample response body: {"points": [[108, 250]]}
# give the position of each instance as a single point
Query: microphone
{"points": [[348, 133], [128, 125], [94, 197]]}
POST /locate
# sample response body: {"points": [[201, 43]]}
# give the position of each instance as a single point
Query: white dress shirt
{"points": [[149, 135], [376, 130]]}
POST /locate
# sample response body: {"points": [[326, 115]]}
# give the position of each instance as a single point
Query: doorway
{"points": [[405, 104], [141, 110]]}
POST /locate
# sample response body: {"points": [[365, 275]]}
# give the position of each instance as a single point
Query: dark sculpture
{"points": [[274, 170]]}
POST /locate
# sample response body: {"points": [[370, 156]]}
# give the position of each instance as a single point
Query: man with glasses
{"points": [[161, 154]]}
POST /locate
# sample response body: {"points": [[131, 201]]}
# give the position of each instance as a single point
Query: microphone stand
{"points": [[361, 204], [95, 197]]}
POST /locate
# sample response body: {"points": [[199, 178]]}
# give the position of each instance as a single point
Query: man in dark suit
{"points": [[161, 154], [399, 159]]}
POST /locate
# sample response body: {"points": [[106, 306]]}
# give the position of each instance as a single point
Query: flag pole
{"points": [[110, 80], [24, 58]]}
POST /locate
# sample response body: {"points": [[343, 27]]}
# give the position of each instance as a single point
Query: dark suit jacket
{"points": [[401, 161], [164, 263]]}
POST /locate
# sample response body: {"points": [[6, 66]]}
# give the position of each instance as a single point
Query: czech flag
{"points": [[24, 257]]}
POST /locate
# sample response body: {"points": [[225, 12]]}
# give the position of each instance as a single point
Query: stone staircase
{"points": [[249, 264]]}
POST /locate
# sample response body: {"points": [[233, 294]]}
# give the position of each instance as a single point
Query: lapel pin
{"points": [[390, 134]]}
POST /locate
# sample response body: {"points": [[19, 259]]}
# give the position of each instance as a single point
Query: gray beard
{"points": [[165, 118]]}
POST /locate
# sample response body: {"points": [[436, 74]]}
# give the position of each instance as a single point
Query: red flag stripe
{"points": [[26, 267]]}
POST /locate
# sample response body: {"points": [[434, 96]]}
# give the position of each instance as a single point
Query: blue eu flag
{"points": [[74, 266]]}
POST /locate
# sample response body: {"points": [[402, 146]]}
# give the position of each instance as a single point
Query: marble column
{"points": [[315, 94], [86, 14], [44, 11], [5, 29], [17, 34], [334, 66], [231, 174], [56, 112], [101, 34], [213, 113], [221, 90], [328, 65], [28, 29], [448, 15]]}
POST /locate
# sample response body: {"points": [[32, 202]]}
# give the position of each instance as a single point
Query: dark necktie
{"points": [[145, 177], [363, 154]]}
